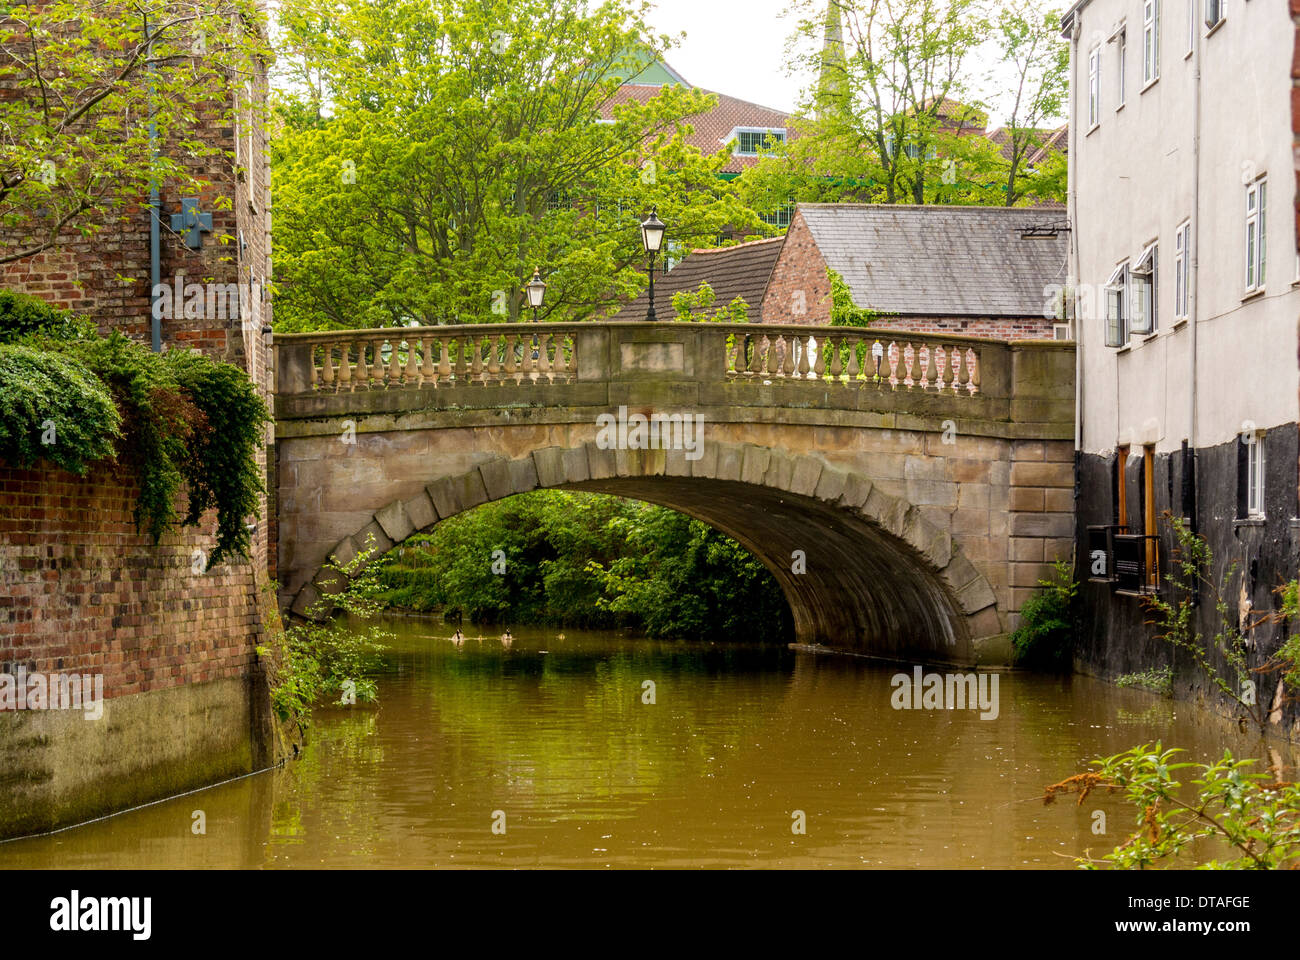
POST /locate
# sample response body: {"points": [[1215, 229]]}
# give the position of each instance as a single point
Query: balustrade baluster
{"points": [[543, 359], [836, 347], [854, 367], [394, 362], [426, 360], [974, 385]]}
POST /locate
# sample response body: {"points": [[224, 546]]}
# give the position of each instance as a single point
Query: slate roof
{"points": [[739, 271], [939, 260], [712, 128]]}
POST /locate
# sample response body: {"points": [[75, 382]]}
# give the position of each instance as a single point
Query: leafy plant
{"points": [[1157, 680], [22, 315], [73, 397], [1175, 618], [698, 307], [48, 397], [1045, 638], [1255, 816], [313, 660]]}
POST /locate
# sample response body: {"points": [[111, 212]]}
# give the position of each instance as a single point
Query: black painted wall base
{"points": [[1114, 637]]}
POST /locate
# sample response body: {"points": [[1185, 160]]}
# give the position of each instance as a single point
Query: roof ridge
{"points": [[947, 207], [737, 246]]}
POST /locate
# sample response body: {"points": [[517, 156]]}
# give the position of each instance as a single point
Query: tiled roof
{"points": [[739, 271], [712, 128], [1042, 144], [938, 260]]}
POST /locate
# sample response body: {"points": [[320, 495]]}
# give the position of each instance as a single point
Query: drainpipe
{"points": [[1072, 175], [155, 215], [1194, 275]]}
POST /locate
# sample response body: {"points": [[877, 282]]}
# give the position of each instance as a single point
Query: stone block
{"points": [[601, 464], [729, 462], [421, 511], [496, 478], [831, 484], [856, 490], [445, 497], [575, 465], [780, 471], [807, 472], [1026, 499], [707, 466], [373, 538], [550, 466], [1041, 525], [394, 521], [471, 488], [523, 475], [1026, 549], [1058, 500], [1042, 475], [755, 463]]}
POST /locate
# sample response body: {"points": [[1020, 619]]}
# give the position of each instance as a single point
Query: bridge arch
{"points": [[880, 578]]}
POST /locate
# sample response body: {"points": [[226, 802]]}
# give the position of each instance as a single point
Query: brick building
{"points": [[977, 271], [81, 590]]}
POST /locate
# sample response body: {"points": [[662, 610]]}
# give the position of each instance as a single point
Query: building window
{"points": [[1213, 12], [1150, 41], [1182, 273], [749, 141], [1143, 301], [1094, 87], [781, 217], [1117, 296], [1256, 234], [1121, 53], [1250, 475]]}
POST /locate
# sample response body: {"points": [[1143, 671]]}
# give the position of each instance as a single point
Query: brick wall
{"points": [[82, 591], [80, 587], [799, 292]]}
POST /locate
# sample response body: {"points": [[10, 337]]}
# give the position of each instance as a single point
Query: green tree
{"points": [[92, 80], [433, 153], [1039, 63], [889, 121]]}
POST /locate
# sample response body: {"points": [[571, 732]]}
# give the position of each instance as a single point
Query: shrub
{"points": [[22, 315], [52, 407], [1255, 817], [1045, 638]]}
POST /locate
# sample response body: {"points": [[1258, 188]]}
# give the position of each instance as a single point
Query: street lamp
{"points": [[652, 238], [536, 290]]}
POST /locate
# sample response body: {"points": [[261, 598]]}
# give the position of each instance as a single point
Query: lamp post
{"points": [[536, 291], [652, 238]]}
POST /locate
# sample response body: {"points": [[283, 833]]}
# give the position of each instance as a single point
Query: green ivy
{"points": [[1045, 638], [174, 418], [51, 406]]}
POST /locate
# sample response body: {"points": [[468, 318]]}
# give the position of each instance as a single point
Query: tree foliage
{"points": [[589, 560], [433, 153], [92, 79], [899, 113], [1253, 817]]}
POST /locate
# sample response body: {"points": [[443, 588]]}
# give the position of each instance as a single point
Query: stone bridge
{"points": [[925, 481]]}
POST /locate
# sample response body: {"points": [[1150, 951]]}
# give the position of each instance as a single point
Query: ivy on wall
{"points": [[73, 397]]}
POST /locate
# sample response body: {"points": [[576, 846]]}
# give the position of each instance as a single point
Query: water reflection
{"points": [[554, 734]]}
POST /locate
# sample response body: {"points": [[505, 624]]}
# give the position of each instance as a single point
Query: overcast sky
{"points": [[735, 47]]}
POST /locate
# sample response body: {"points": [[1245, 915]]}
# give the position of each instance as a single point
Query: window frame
{"points": [[1144, 292], [1255, 474], [777, 136], [1256, 247], [1150, 42], [1182, 270], [1121, 53], [1094, 87], [1117, 285]]}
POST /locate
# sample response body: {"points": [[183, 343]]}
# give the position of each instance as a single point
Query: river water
{"points": [[547, 754]]}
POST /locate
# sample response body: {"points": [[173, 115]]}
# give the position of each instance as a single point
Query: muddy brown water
{"points": [[547, 754]]}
